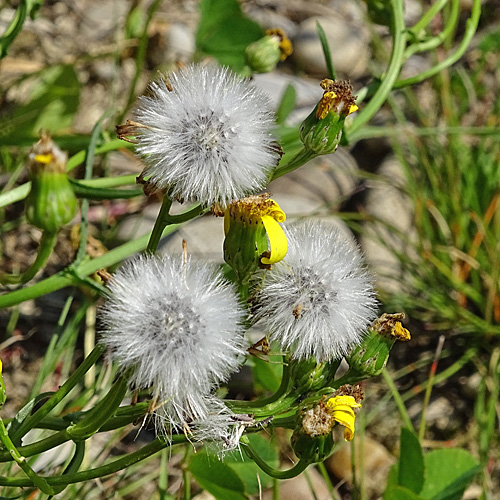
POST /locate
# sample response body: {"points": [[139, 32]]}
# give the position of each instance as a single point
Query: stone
{"points": [[391, 211], [348, 41], [270, 19], [180, 43], [312, 487], [319, 186], [370, 454]]}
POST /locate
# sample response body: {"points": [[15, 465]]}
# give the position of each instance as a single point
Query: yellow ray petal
{"points": [[277, 240]]}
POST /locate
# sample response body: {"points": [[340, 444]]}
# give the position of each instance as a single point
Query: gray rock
{"points": [[317, 187], [270, 19], [274, 84], [348, 41], [204, 237], [180, 44], [412, 11], [393, 214]]}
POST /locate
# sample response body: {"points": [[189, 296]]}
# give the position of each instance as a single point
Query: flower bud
{"points": [[309, 375], [263, 55], [321, 131], [370, 357], [312, 449], [51, 202]]}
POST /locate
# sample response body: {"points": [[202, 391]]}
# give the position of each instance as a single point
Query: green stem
{"points": [[112, 145], [20, 192], [140, 56], [301, 158], [74, 276], [297, 469], [47, 243], [85, 190], [437, 40], [38, 481], [428, 17], [164, 219], [14, 28], [397, 398], [428, 390], [386, 85], [104, 470], [31, 421], [124, 416], [405, 132], [470, 30], [186, 478], [263, 407], [160, 224], [107, 182]]}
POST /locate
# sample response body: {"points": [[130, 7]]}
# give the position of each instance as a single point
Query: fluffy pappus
{"points": [[206, 135], [320, 299], [175, 327]]}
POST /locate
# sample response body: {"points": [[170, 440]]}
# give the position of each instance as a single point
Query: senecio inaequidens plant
{"points": [[177, 326]]}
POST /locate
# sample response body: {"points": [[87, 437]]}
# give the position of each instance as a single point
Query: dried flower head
{"points": [[221, 430], [176, 328], [318, 301], [205, 135]]}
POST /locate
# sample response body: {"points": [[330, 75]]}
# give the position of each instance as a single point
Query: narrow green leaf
{"points": [[411, 462], [216, 477], [326, 51], [448, 472], [25, 412], [287, 104]]}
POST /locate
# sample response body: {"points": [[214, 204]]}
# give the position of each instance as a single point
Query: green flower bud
{"points": [[370, 357], [263, 55], [321, 131], [309, 375], [312, 449], [51, 202]]}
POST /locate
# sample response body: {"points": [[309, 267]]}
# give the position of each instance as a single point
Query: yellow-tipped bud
{"points": [[263, 55], [321, 131], [370, 357], [51, 202]]}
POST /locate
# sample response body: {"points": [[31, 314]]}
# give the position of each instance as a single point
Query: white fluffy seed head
{"points": [[177, 328], [319, 300], [208, 139]]}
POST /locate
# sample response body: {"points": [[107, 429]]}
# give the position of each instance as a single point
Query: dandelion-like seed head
{"points": [[319, 300], [205, 134], [176, 328]]}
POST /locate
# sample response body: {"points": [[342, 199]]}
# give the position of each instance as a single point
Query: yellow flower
{"points": [[337, 97], [390, 326], [341, 409], [252, 214]]}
